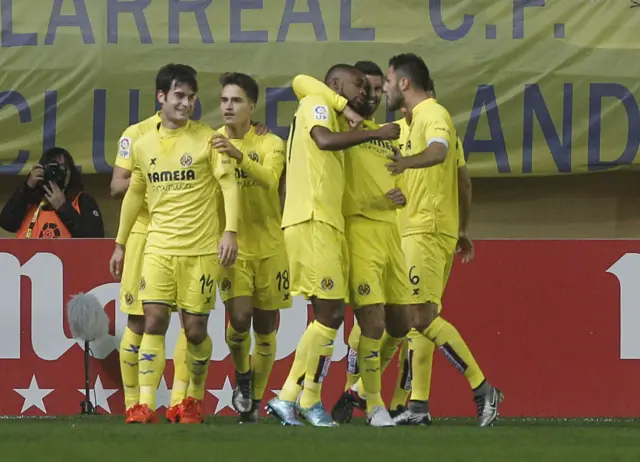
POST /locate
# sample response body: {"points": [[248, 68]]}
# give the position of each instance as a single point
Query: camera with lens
{"points": [[55, 172]]}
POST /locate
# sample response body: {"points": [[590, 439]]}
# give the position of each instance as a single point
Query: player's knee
{"points": [[424, 315], [240, 321], [196, 334], [135, 323], [265, 322], [373, 329]]}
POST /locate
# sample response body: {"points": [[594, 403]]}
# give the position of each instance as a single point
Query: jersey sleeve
{"points": [[436, 129], [225, 174], [304, 85], [131, 205], [268, 173], [124, 156], [317, 112], [460, 154]]}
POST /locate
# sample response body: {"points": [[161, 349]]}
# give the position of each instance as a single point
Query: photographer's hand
{"points": [[54, 195], [35, 176]]}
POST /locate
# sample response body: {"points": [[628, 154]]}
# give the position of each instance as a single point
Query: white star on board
{"points": [[276, 392], [224, 396], [33, 396], [99, 396], [163, 395]]}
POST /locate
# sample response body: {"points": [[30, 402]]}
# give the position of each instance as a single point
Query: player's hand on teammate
{"points": [[396, 196], [223, 145], [355, 120], [260, 128], [228, 249], [389, 132], [54, 195], [397, 166], [116, 262], [465, 248], [35, 176]]}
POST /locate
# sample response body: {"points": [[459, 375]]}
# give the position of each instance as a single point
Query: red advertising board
{"points": [[554, 324]]}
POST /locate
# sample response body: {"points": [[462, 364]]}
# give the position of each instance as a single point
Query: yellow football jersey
{"points": [[258, 175], [125, 160], [368, 179], [432, 202], [315, 178], [404, 133], [183, 178]]}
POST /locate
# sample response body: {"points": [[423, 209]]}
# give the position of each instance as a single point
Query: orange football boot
{"points": [[174, 413], [140, 413], [192, 412]]}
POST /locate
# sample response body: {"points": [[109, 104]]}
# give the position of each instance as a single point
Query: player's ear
{"points": [[403, 83], [160, 96]]}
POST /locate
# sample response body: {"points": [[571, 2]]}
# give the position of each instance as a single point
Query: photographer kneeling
{"points": [[52, 202]]}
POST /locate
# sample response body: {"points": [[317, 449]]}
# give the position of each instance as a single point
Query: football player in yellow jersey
{"points": [[257, 285], [185, 182], [314, 235], [430, 224]]}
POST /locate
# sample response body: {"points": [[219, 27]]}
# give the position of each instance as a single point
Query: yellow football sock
{"points": [[293, 385], [421, 366], [388, 347], [198, 359], [240, 348], [318, 362], [180, 370], [403, 380], [370, 372], [264, 354], [451, 344], [353, 372], [129, 347], [151, 359]]}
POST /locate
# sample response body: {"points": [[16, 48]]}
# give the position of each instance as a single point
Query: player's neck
{"points": [[412, 99], [171, 125], [238, 131]]}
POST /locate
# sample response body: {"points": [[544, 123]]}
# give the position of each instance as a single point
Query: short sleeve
{"points": [[317, 111], [460, 154], [436, 128], [124, 154]]}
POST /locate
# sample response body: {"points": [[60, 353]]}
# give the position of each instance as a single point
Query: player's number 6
{"points": [[413, 278]]}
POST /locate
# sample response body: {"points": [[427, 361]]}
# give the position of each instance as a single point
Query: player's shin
{"points": [[370, 371], [240, 347], [293, 384], [421, 351], [318, 361], [353, 372], [129, 348], [403, 380], [198, 359], [262, 359], [151, 359], [180, 370]]}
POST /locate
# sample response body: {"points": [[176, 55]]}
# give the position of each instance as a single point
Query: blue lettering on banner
{"points": [[312, 16], [237, 35], [134, 106], [80, 19], [437, 21], [136, 8], [598, 91], [486, 99], [348, 33], [390, 116], [99, 127], [197, 7], [15, 99], [518, 15], [560, 150], [50, 118], [9, 38], [275, 96]]}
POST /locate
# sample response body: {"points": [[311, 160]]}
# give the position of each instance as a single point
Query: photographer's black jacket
{"points": [[87, 223]]}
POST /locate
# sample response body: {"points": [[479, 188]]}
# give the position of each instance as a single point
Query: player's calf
{"points": [[238, 339]]}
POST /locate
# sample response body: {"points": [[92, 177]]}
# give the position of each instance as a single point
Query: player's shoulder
{"points": [[139, 129], [316, 106], [271, 141], [200, 129], [434, 109]]}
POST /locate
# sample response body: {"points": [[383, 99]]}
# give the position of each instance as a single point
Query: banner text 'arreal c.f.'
{"points": [[536, 87]]}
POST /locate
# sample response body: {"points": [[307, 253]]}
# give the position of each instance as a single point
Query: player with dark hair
{"points": [[181, 176], [257, 285], [430, 222], [314, 230]]}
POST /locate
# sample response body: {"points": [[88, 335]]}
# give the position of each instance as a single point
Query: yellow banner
{"points": [[536, 87]]}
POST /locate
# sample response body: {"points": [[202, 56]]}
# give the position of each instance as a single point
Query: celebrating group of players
{"points": [[373, 215]]}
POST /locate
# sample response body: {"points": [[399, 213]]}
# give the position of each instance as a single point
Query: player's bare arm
{"points": [[465, 246], [435, 154], [327, 140], [120, 182]]}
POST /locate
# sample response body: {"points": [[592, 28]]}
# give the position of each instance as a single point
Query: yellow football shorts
{"points": [[130, 282], [318, 260], [429, 257], [187, 282], [266, 280], [378, 273]]}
